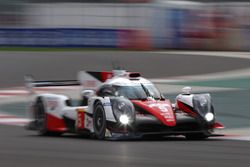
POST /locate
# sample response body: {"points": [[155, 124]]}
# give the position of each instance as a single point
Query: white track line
{"points": [[234, 74], [7, 93], [233, 137], [13, 120], [5, 96], [243, 55]]}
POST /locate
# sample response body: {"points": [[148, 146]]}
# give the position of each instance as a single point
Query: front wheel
{"points": [[99, 120]]}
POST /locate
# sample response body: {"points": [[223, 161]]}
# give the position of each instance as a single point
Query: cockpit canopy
{"points": [[137, 91]]}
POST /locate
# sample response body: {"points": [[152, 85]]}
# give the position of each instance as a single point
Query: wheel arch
{"points": [[106, 103], [53, 108], [53, 103]]}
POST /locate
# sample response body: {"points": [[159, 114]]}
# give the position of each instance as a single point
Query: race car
{"points": [[121, 104]]}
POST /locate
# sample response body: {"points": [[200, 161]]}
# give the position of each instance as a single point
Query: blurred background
{"points": [[126, 24], [180, 43]]}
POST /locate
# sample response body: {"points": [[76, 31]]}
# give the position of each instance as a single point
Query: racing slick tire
{"points": [[41, 119], [99, 121], [196, 136]]}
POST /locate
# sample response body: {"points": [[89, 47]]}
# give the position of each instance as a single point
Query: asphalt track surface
{"points": [[21, 148], [65, 65]]}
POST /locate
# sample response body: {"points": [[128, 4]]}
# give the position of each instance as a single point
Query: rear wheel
{"points": [[99, 120], [41, 119]]}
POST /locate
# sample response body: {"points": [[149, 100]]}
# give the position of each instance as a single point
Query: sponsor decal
{"points": [[52, 104], [80, 120], [106, 104], [161, 110], [161, 106], [164, 111], [88, 122]]}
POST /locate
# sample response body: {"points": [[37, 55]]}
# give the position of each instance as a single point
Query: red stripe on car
{"points": [[160, 109]]}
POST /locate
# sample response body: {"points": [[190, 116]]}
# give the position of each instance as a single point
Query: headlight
{"points": [[209, 116], [203, 106], [123, 110], [124, 119]]}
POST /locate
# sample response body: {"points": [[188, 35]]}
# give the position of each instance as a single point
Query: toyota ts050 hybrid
{"points": [[121, 104]]}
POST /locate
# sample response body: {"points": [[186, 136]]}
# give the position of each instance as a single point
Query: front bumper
{"points": [[150, 125]]}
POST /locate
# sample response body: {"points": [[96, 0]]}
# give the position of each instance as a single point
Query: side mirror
{"points": [[186, 90], [163, 97], [87, 93]]}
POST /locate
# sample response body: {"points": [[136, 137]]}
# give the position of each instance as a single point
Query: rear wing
{"points": [[93, 79], [30, 83], [86, 79]]}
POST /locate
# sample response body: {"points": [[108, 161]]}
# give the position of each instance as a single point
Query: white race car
{"points": [[121, 104]]}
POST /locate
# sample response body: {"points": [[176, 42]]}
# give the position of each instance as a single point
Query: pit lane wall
{"points": [[155, 25]]}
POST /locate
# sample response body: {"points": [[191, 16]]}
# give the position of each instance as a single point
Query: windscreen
{"points": [[138, 92], [132, 92], [152, 91]]}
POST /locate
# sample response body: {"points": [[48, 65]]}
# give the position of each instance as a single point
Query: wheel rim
{"points": [[99, 119]]}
